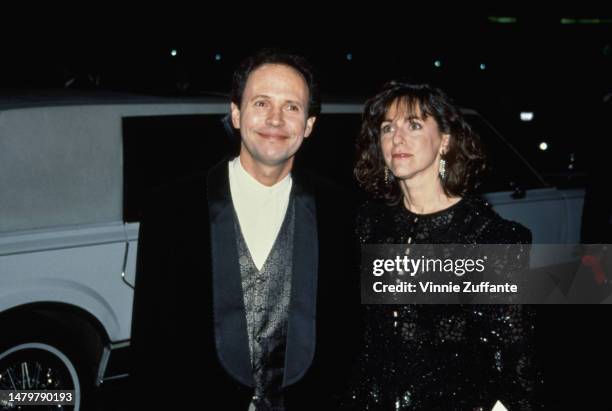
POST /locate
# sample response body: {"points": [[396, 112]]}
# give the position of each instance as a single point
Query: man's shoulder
{"points": [[169, 192], [182, 196], [189, 187]]}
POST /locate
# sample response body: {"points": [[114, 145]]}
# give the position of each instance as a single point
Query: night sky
{"points": [[556, 64]]}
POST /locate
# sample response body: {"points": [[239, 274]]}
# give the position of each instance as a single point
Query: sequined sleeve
{"points": [[364, 224], [509, 329]]}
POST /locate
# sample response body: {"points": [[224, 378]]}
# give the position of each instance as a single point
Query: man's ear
{"points": [[309, 125], [235, 115]]}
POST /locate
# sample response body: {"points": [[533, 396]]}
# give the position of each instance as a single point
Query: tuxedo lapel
{"points": [[230, 327], [302, 310]]}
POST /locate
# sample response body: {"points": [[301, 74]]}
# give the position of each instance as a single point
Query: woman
{"points": [[418, 155]]}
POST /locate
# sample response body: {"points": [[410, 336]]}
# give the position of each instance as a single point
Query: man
{"points": [[246, 293]]}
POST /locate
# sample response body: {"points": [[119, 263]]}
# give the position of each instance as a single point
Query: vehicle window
{"points": [[160, 149], [330, 150], [59, 166]]}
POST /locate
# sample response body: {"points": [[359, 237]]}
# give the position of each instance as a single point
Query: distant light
{"points": [[483, 66], [349, 56], [173, 53], [502, 20], [566, 20], [570, 166], [526, 115], [437, 63], [218, 57], [543, 146]]}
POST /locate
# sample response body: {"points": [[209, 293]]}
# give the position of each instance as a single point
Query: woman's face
{"points": [[411, 145]]}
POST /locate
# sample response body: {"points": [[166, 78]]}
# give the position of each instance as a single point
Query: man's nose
{"points": [[275, 116]]}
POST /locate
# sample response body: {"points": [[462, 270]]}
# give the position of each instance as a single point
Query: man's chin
{"points": [[273, 160], [268, 158]]}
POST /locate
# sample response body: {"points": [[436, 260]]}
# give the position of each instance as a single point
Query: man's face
{"points": [[273, 116]]}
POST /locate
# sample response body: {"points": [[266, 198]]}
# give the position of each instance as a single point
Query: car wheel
{"points": [[39, 366]]}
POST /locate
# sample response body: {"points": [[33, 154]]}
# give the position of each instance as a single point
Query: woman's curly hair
{"points": [[464, 155]]}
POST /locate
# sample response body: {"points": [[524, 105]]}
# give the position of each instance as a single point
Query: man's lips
{"points": [[273, 136]]}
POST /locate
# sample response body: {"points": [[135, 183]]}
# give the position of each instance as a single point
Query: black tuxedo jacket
{"points": [[189, 338]]}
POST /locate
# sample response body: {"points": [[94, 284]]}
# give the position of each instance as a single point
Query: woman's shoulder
{"points": [[493, 228], [371, 207], [371, 217], [375, 211]]}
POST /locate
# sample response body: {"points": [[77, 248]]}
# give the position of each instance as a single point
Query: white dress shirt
{"points": [[260, 209]]}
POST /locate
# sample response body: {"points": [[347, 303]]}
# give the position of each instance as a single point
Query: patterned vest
{"points": [[266, 299]]}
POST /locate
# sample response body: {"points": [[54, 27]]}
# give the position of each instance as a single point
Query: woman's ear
{"points": [[444, 144]]}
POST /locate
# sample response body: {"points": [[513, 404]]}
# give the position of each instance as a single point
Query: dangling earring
{"points": [[386, 175], [442, 169]]}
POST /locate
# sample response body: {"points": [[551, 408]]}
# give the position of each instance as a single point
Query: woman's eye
{"points": [[415, 126], [385, 129]]}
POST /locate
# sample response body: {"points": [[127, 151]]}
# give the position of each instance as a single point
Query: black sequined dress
{"points": [[444, 357]]}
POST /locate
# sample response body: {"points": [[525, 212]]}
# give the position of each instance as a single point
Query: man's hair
{"points": [[271, 56], [465, 155]]}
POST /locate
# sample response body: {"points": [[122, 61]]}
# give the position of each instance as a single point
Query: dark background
{"points": [[500, 61], [556, 63]]}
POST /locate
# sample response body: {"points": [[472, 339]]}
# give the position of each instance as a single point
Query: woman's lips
{"points": [[401, 155]]}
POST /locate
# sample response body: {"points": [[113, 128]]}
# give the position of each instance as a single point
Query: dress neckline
{"points": [[435, 213]]}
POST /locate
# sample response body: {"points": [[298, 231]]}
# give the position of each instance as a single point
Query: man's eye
{"points": [[260, 103], [293, 107]]}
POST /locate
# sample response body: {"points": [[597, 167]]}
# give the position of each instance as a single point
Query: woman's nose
{"points": [[397, 138]]}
